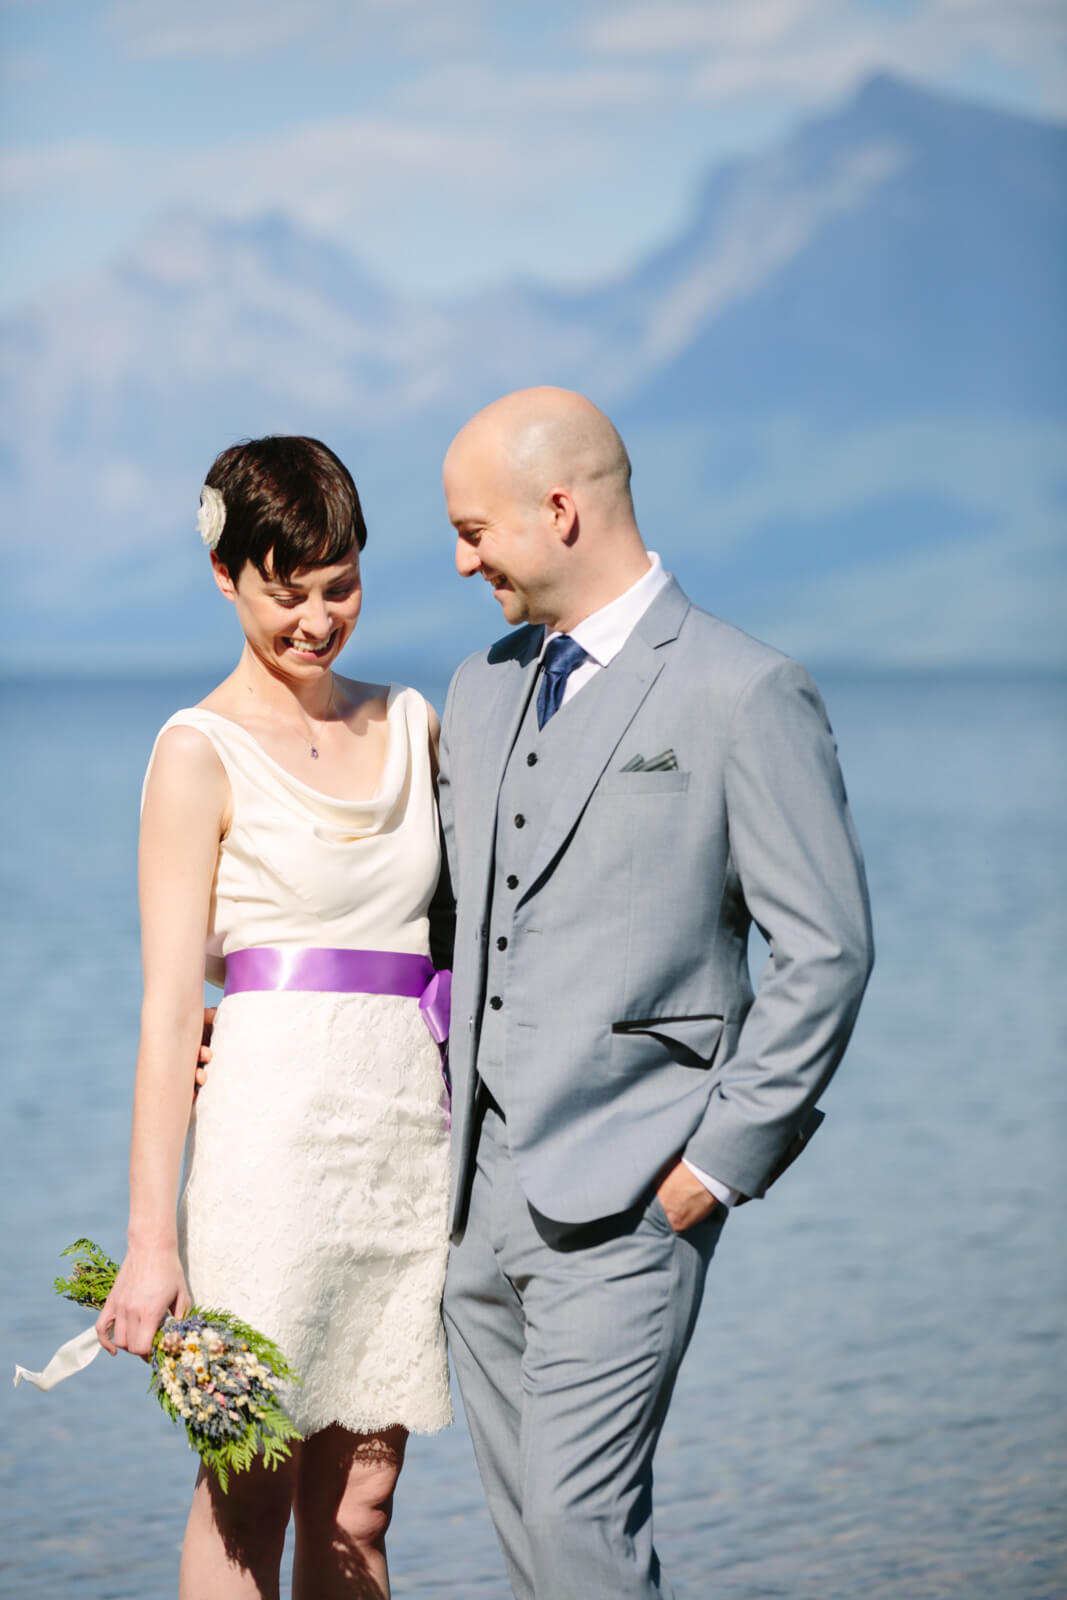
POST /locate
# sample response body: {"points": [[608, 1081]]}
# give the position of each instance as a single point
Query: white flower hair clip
{"points": [[212, 518]]}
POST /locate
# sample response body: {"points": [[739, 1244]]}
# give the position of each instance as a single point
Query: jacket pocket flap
{"points": [[699, 1036]]}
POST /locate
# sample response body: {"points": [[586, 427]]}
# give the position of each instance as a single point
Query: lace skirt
{"points": [[315, 1200]]}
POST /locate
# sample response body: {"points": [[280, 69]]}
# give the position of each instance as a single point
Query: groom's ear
{"points": [[563, 514]]}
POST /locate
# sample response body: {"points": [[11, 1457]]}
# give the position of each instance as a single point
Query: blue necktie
{"points": [[561, 658]]}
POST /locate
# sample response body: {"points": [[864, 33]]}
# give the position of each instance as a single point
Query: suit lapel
{"points": [[595, 727]]}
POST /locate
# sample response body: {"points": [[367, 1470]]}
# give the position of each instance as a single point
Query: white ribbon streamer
{"points": [[72, 1357]]}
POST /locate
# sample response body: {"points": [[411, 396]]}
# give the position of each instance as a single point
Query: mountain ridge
{"points": [[848, 329]]}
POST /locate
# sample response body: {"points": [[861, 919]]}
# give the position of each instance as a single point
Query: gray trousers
{"points": [[566, 1342]]}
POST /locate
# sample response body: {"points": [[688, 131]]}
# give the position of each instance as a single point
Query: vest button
{"points": [[531, 759], [520, 820], [511, 881], [495, 1002], [502, 943]]}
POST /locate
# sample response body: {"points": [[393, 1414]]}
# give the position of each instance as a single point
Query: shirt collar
{"points": [[603, 633]]}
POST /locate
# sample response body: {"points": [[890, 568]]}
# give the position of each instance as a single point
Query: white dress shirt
{"points": [[602, 635]]}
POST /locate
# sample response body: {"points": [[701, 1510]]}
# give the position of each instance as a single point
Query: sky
{"points": [[447, 147]]}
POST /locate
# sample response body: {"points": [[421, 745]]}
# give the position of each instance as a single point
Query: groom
{"points": [[626, 783]]}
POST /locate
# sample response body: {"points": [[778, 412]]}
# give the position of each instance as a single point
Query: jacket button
{"points": [[495, 1002], [502, 943], [531, 759], [511, 881], [520, 820]]}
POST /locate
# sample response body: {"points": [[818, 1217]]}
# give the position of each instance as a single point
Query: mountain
{"points": [[843, 384], [904, 253]]}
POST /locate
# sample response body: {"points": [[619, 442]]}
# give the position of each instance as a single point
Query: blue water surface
{"points": [[873, 1402]]}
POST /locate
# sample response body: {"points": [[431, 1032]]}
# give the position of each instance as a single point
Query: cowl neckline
{"points": [[364, 815]]}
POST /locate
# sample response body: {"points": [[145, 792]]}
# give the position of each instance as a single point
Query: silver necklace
{"points": [[311, 731]]}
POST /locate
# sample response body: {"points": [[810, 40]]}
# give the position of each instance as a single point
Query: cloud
{"points": [[811, 49], [685, 25], [237, 29], [345, 176], [708, 51], [484, 144], [1023, 26], [579, 91], [233, 29], [25, 172], [335, 174]]}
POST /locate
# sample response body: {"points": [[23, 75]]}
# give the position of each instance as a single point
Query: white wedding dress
{"points": [[315, 1195]]}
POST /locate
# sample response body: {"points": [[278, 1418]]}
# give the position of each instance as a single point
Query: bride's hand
{"points": [[149, 1284]]}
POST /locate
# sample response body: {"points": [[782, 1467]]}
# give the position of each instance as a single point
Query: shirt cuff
{"points": [[722, 1191]]}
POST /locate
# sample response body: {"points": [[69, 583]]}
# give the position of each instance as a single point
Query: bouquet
{"points": [[212, 1373]]}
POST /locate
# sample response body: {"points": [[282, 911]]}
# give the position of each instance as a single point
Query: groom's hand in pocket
{"points": [[683, 1197]]}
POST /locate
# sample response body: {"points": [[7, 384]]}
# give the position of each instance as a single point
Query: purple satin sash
{"points": [[346, 972]]}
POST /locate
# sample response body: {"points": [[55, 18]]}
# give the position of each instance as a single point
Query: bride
{"points": [[289, 833]]}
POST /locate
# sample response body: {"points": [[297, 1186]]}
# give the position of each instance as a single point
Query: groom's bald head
{"points": [[546, 437], [538, 489]]}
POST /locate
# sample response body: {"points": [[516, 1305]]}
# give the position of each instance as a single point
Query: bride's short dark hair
{"points": [[288, 498]]}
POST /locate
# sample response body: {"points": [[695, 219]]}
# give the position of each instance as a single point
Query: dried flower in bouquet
{"points": [[212, 1373]]}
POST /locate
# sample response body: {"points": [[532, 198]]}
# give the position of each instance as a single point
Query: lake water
{"points": [[873, 1402]]}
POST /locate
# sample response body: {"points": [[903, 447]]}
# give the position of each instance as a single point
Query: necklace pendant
{"points": [[314, 753]]}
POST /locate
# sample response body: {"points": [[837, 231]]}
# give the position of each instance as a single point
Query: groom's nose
{"points": [[467, 562]]}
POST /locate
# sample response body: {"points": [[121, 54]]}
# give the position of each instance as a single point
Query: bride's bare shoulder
{"points": [[184, 752], [368, 701]]}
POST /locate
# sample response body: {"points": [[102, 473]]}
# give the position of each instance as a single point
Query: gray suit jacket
{"points": [[632, 1032]]}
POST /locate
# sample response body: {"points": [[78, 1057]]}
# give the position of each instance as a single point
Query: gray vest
{"points": [[527, 791]]}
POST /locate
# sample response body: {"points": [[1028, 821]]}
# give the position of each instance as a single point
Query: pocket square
{"points": [[666, 761]]}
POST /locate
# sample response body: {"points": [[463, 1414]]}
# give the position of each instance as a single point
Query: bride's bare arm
{"points": [[185, 814]]}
